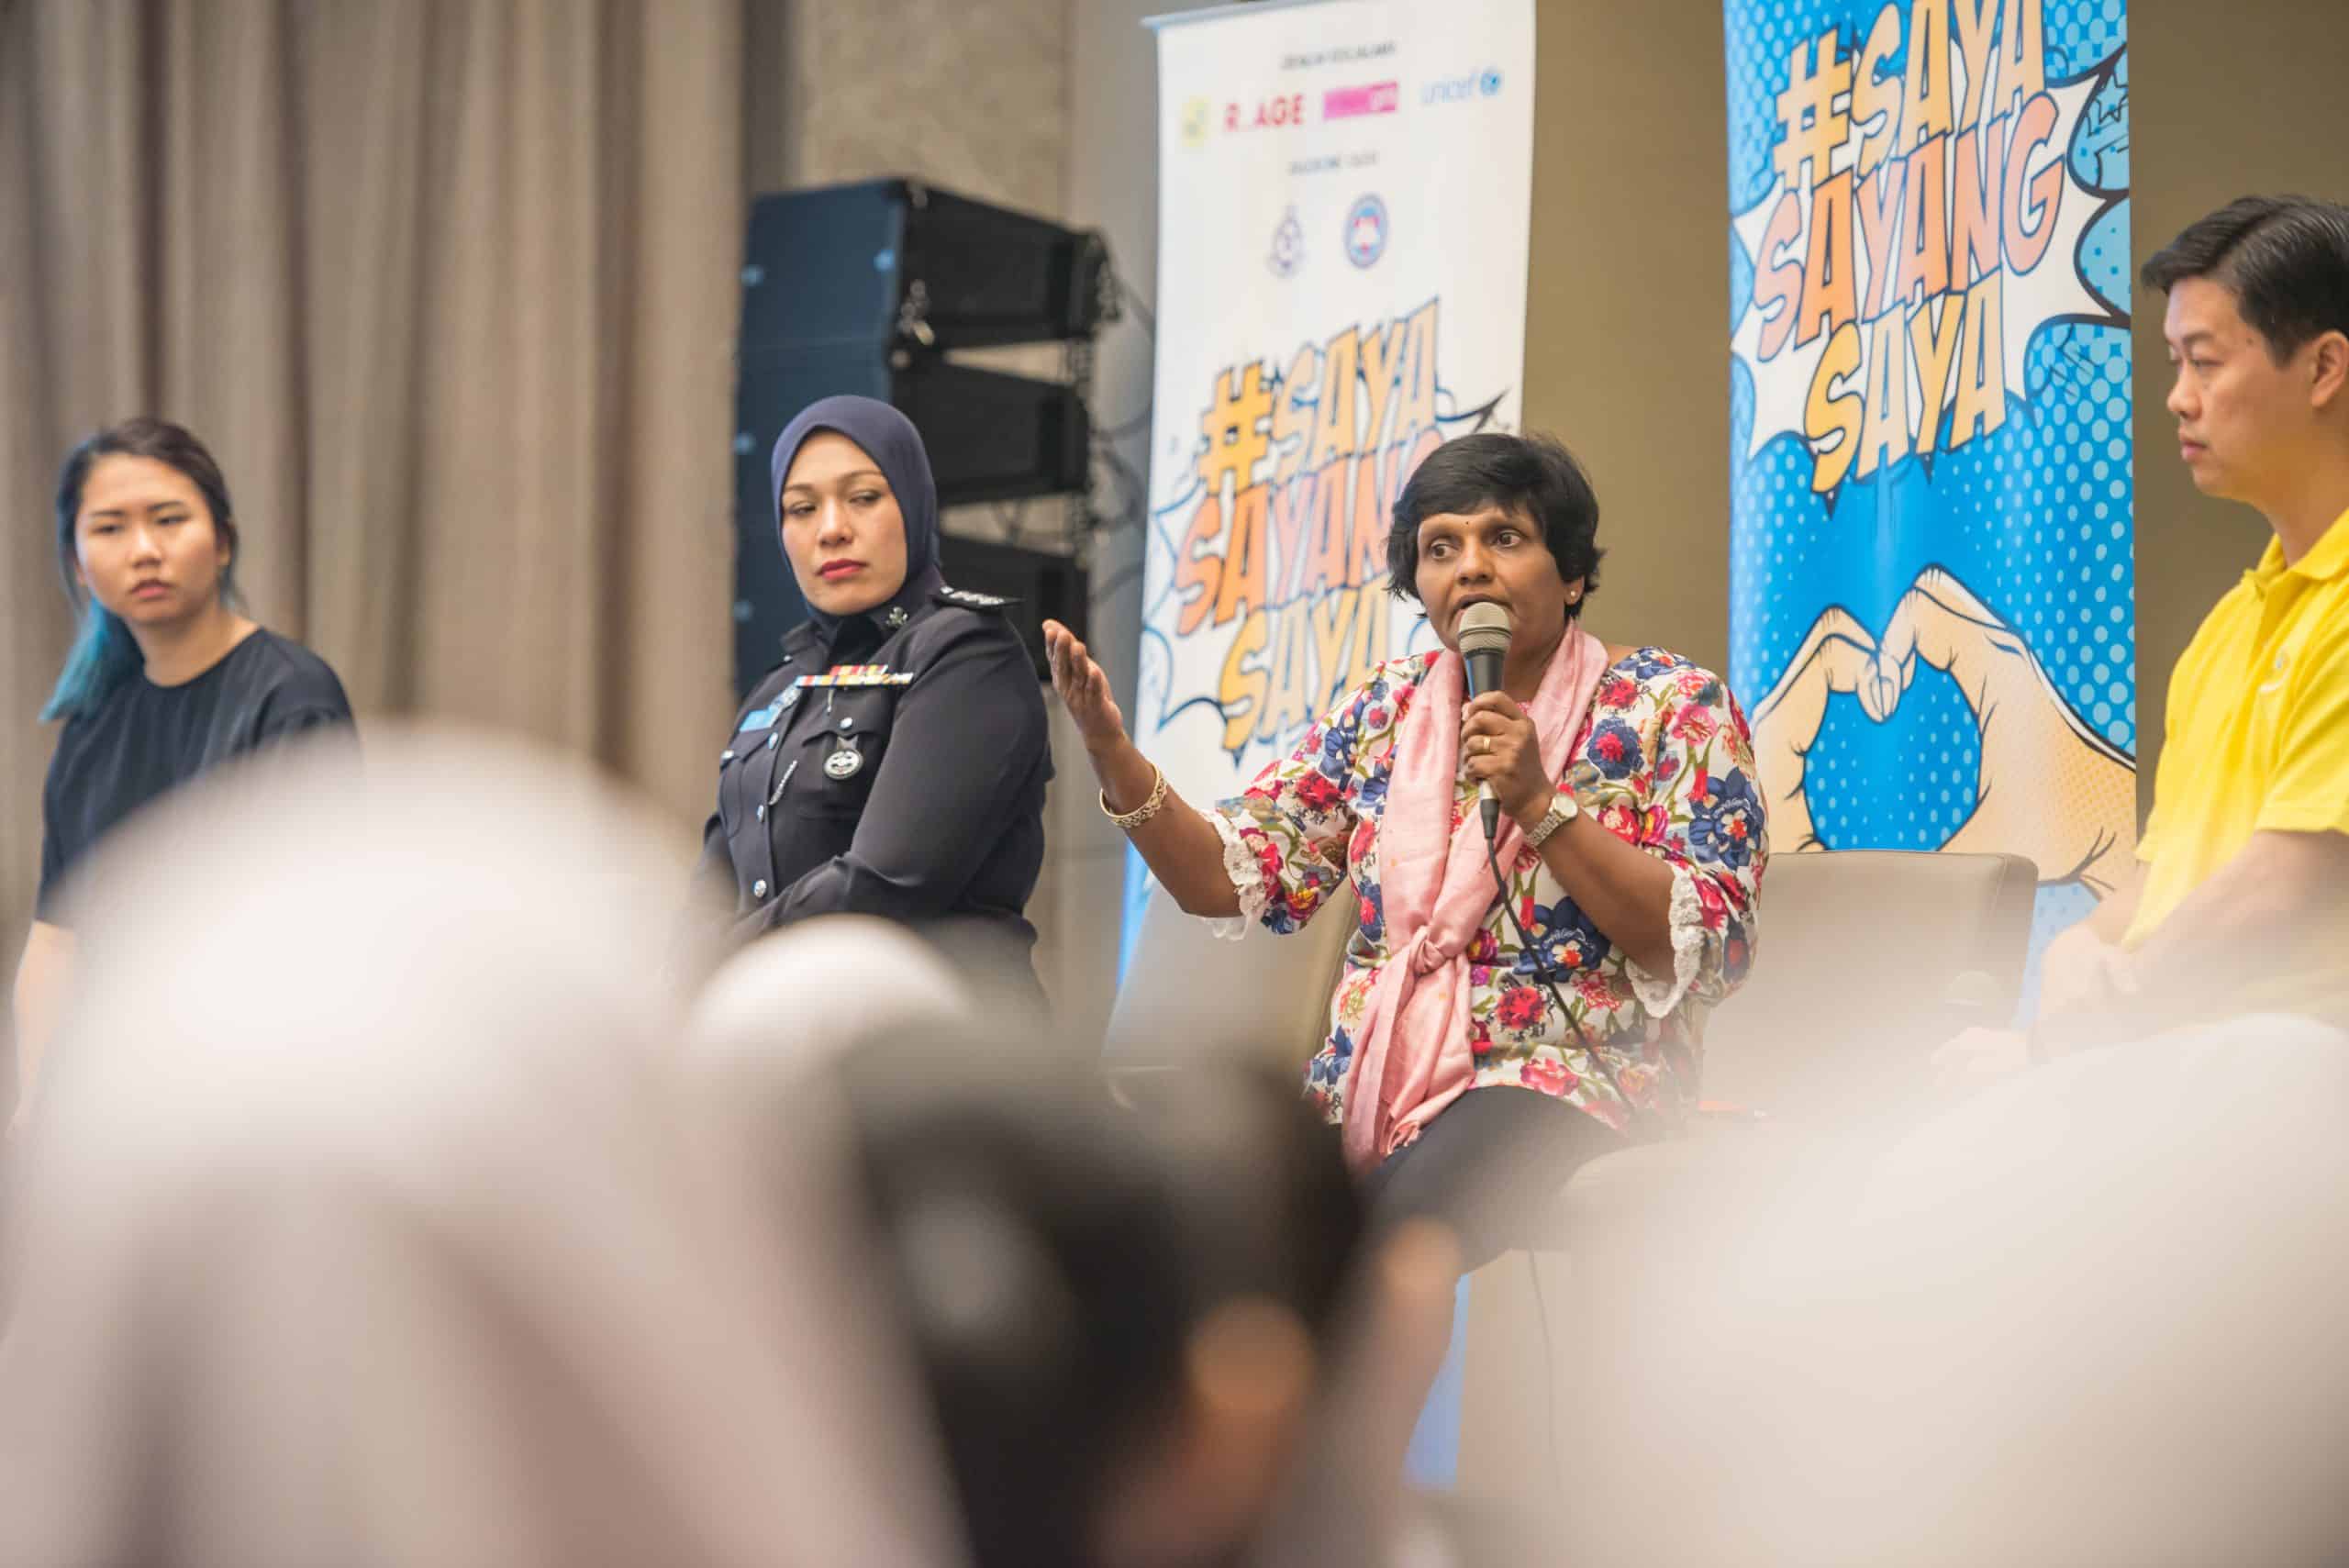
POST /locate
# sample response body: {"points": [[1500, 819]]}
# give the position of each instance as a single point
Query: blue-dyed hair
{"points": [[104, 654]]}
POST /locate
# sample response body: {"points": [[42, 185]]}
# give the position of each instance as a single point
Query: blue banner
{"points": [[1932, 594]]}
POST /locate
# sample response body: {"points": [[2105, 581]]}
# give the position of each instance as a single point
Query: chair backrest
{"points": [[1856, 979], [1190, 995], [1868, 959]]}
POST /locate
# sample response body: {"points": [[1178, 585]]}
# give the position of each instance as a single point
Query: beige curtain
{"points": [[449, 289]]}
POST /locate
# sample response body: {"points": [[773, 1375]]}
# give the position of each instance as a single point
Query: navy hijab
{"points": [[890, 439]]}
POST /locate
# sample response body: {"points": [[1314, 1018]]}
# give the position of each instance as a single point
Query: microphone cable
{"points": [[1643, 1126], [1542, 973]]}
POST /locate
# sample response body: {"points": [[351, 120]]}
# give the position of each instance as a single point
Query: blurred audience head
{"points": [[2091, 1315], [1120, 1317], [388, 1206], [367, 1221]]}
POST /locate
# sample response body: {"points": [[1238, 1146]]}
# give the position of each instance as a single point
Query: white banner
{"points": [[1344, 193]]}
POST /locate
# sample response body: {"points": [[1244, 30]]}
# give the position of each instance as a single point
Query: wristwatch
{"points": [[1563, 810]]}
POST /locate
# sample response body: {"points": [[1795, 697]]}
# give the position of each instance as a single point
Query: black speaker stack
{"points": [[870, 288]]}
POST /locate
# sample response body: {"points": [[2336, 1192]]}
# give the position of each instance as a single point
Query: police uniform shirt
{"points": [[897, 772]]}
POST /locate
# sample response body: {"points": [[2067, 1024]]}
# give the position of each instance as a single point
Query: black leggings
{"points": [[1491, 1167]]}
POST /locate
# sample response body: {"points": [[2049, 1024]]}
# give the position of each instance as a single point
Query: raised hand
{"points": [[1083, 689]]}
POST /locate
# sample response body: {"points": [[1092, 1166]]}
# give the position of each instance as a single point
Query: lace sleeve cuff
{"points": [[1660, 996], [1247, 876]]}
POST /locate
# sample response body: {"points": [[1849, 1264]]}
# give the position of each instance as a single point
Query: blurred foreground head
{"points": [[1122, 1319], [2092, 1315], [366, 1221]]}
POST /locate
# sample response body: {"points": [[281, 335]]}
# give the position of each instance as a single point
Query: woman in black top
{"points": [[166, 677], [894, 763]]}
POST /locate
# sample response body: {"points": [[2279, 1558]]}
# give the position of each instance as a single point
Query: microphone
{"points": [[1484, 647]]}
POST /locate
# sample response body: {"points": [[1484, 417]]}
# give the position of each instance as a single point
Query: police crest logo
{"points": [[1288, 246], [1365, 231]]}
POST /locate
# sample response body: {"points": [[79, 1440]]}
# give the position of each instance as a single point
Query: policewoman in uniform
{"points": [[894, 763]]}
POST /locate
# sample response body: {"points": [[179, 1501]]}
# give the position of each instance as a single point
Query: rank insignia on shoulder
{"points": [[964, 598], [858, 675]]}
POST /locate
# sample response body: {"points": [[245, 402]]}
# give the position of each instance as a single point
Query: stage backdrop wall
{"points": [[1344, 200], [1932, 579]]}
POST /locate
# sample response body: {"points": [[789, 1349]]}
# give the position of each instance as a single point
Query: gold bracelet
{"points": [[1146, 810]]}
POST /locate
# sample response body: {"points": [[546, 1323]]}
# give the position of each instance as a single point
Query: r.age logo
{"points": [[1266, 113]]}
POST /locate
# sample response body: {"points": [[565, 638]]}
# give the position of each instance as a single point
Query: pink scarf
{"points": [[1412, 1058]]}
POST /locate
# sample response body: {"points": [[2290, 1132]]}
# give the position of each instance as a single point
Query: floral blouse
{"points": [[1666, 762]]}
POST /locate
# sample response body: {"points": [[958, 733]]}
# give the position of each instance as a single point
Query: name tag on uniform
{"points": [[858, 676], [770, 712]]}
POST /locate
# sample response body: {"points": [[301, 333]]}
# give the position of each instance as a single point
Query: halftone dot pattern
{"points": [[2100, 151], [1740, 282], [1758, 35], [2104, 256], [2036, 519], [1908, 783]]}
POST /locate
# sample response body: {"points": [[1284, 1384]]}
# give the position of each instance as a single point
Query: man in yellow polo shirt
{"points": [[2242, 875]]}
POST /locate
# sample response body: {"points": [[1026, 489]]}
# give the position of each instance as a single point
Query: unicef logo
{"points": [[1484, 84], [1365, 231]]}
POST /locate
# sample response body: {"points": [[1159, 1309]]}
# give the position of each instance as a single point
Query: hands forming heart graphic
{"points": [[2051, 787]]}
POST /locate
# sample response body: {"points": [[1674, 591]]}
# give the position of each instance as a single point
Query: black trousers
{"points": [[1491, 1167]]}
